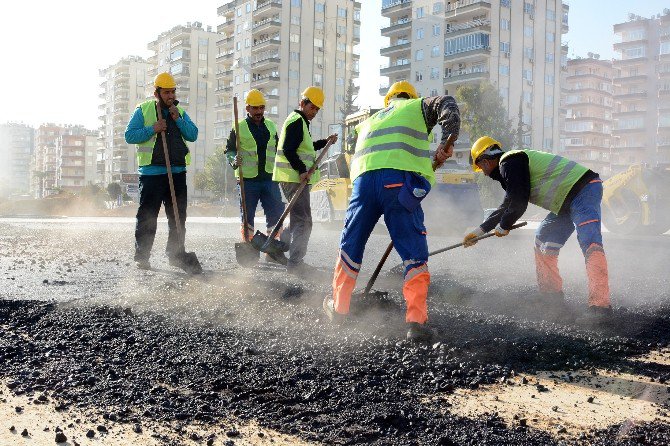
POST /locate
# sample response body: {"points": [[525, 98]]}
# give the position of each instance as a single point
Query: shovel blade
{"points": [[246, 254], [263, 243]]}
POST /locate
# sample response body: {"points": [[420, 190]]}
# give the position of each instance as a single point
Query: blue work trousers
{"points": [[267, 193]]}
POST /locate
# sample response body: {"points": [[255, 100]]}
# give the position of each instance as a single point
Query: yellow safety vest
{"points": [[145, 149], [395, 137], [283, 170], [249, 150]]}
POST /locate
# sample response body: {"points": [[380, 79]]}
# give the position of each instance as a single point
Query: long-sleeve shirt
{"points": [[137, 133], [513, 173], [442, 111], [261, 135], [292, 138]]}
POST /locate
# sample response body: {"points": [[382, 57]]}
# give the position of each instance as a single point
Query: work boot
{"points": [[596, 317], [329, 309], [419, 333], [276, 257], [143, 264], [187, 261]]}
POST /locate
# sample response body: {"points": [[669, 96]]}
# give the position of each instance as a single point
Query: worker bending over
{"points": [[571, 192], [256, 160], [391, 172]]}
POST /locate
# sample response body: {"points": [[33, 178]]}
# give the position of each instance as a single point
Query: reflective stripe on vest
{"points": [[283, 170], [249, 150], [145, 149], [551, 177], [394, 138]]}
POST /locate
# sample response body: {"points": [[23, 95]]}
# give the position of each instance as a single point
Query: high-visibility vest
{"points": [[145, 149], [551, 177], [395, 137], [249, 150], [283, 170]]}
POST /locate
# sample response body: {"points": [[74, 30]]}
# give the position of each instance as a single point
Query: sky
{"points": [[53, 50]]}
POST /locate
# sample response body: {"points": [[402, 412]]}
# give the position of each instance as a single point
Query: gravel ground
{"points": [[83, 329]]}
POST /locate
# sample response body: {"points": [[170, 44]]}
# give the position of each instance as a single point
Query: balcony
{"points": [[468, 53], [395, 6], [227, 9], [618, 63], [267, 9], [226, 41], [632, 95], [266, 62], [628, 113], [267, 25], [395, 50], [225, 55], [620, 46], [467, 9], [629, 79], [265, 81], [390, 70], [467, 27], [462, 76], [398, 26], [226, 27], [266, 43]]}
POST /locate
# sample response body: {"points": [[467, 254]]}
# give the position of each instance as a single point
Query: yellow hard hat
{"points": [[164, 80], [255, 98], [400, 87], [315, 95], [479, 147]]}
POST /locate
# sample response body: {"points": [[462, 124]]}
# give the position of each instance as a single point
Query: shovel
{"points": [[245, 253], [400, 268], [187, 261], [268, 243], [451, 139]]}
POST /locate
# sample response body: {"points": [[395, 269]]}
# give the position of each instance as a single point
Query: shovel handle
{"points": [[166, 155], [243, 201], [297, 193], [481, 237]]}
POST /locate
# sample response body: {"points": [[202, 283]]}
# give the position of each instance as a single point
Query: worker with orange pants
{"points": [[572, 193], [391, 172]]}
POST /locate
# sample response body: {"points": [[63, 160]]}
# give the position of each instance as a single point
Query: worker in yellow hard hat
{"points": [[391, 172], [144, 129], [255, 162], [296, 153], [572, 193]]}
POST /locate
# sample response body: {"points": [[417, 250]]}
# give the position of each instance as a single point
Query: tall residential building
{"points": [[516, 46], [45, 160], [16, 147], [588, 112], [642, 91], [76, 160], [189, 54], [282, 47], [124, 86]]}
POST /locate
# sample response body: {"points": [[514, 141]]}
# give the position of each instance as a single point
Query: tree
{"points": [[114, 190], [200, 181], [483, 113], [215, 175], [348, 107]]}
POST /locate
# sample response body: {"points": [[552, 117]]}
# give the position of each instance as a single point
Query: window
{"points": [[246, 77], [339, 63], [504, 47], [549, 57], [342, 12], [248, 8], [237, 80], [418, 76], [418, 55], [528, 74], [504, 92], [549, 79], [292, 74], [419, 33], [239, 12], [504, 24], [320, 7], [238, 28], [296, 3], [318, 61], [318, 25], [318, 43], [318, 78], [436, 30], [551, 37], [528, 52], [504, 70], [632, 53], [548, 144], [202, 56], [548, 122], [528, 31], [295, 20], [434, 73], [527, 97], [467, 42], [528, 8], [238, 45], [419, 12], [339, 81], [341, 46], [247, 43], [295, 38], [357, 15], [548, 101], [437, 7], [435, 51], [551, 15]]}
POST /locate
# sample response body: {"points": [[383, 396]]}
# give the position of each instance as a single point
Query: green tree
{"points": [[114, 190], [483, 113], [217, 173], [350, 97]]}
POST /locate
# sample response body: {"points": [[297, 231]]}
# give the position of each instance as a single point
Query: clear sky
{"points": [[52, 50]]}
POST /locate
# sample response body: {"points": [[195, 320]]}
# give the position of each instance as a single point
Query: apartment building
{"points": [[642, 91], [76, 152], [124, 86], [588, 108], [189, 54], [16, 147], [45, 160], [516, 46], [281, 47]]}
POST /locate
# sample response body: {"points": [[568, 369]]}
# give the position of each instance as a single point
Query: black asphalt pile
{"points": [[359, 383]]}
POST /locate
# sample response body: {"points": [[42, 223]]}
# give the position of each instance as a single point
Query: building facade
{"points": [[76, 161], [45, 160], [16, 148], [189, 54], [282, 47], [588, 108], [516, 46], [642, 91], [124, 86]]}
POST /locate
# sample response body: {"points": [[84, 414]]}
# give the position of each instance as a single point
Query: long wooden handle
{"points": [[451, 139], [243, 201], [302, 185], [173, 196], [476, 239]]}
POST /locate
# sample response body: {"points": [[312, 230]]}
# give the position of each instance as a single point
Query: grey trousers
{"points": [[300, 227]]}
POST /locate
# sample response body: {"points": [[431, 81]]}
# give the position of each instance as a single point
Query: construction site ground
{"points": [[95, 351]]}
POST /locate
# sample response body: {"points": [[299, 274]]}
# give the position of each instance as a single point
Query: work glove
{"points": [[500, 232], [468, 239]]}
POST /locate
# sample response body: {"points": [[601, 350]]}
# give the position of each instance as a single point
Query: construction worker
{"points": [[296, 153], [258, 146], [572, 193], [143, 129], [391, 172]]}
